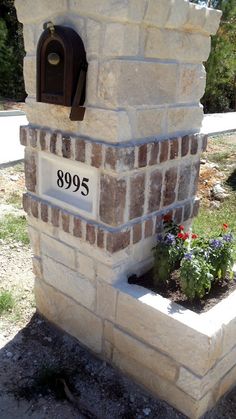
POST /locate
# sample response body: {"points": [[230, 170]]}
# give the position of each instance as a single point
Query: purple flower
{"points": [[170, 239], [188, 256], [216, 244], [228, 238], [159, 238]]}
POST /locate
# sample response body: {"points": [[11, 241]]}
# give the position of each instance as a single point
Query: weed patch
{"points": [[6, 301], [13, 228]]}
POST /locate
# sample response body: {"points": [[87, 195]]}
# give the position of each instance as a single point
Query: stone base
{"points": [[179, 356]]}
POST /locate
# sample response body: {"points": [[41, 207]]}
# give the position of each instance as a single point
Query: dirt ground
{"points": [[44, 372]]}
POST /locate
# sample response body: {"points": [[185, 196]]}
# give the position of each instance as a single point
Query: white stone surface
{"points": [[69, 316], [106, 301], [58, 251], [86, 266], [69, 282], [32, 11], [184, 119]]}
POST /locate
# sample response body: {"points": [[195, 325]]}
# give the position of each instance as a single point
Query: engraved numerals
{"points": [[68, 181]]}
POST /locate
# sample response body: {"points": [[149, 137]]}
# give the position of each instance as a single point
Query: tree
{"points": [[11, 53], [220, 94]]}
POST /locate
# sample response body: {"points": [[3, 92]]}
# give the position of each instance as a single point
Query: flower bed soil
{"points": [[172, 291]]}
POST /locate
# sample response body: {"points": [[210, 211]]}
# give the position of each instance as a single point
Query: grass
{"points": [[15, 199], [14, 228], [6, 301]]}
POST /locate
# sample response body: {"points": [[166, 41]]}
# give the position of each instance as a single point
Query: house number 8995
{"points": [[67, 181]]}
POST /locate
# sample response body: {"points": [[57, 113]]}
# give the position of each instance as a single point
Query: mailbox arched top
{"points": [[61, 58]]}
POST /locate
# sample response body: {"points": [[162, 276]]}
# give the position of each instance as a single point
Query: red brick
{"points": [[169, 186], [164, 151], [187, 211], [196, 206], [137, 195], [155, 191], [184, 182], [30, 170], [96, 158], [55, 214], [174, 148], [53, 143], [80, 150], [66, 147], [118, 241], [148, 228], [26, 202], [42, 139], [142, 155], [44, 212], [111, 157], [90, 234], [23, 135], [120, 158], [112, 200], [100, 238], [34, 208], [178, 217], [154, 154], [32, 137], [185, 145], [65, 222], [77, 229], [137, 233], [194, 144]]}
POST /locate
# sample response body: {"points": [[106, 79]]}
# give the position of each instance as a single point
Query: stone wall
{"points": [[140, 139]]}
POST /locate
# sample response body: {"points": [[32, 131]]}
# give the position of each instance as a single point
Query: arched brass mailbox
{"points": [[61, 69]]}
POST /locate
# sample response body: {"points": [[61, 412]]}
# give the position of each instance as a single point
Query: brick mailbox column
{"points": [[138, 147]]}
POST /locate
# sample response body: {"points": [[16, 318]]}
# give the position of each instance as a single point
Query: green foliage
{"points": [[11, 53], [195, 276], [220, 94], [14, 228], [6, 301]]}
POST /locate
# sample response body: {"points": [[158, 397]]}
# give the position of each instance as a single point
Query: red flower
{"points": [[194, 236], [167, 217], [186, 236], [225, 226], [181, 228], [181, 236]]}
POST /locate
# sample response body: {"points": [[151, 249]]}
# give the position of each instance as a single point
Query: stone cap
{"points": [[169, 14]]}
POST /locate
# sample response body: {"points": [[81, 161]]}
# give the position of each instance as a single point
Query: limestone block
{"points": [[196, 18], [121, 10], [182, 46], [69, 316], [147, 317], [161, 387], [69, 282], [58, 250], [30, 75], [107, 273], [34, 10], [227, 382], [178, 14], [34, 236], [192, 83], [184, 119], [29, 32], [212, 21], [93, 35], [196, 386], [91, 84], [106, 125], [106, 301], [132, 83], [150, 122], [121, 40], [157, 12], [85, 266], [37, 267], [144, 355], [109, 331]]}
